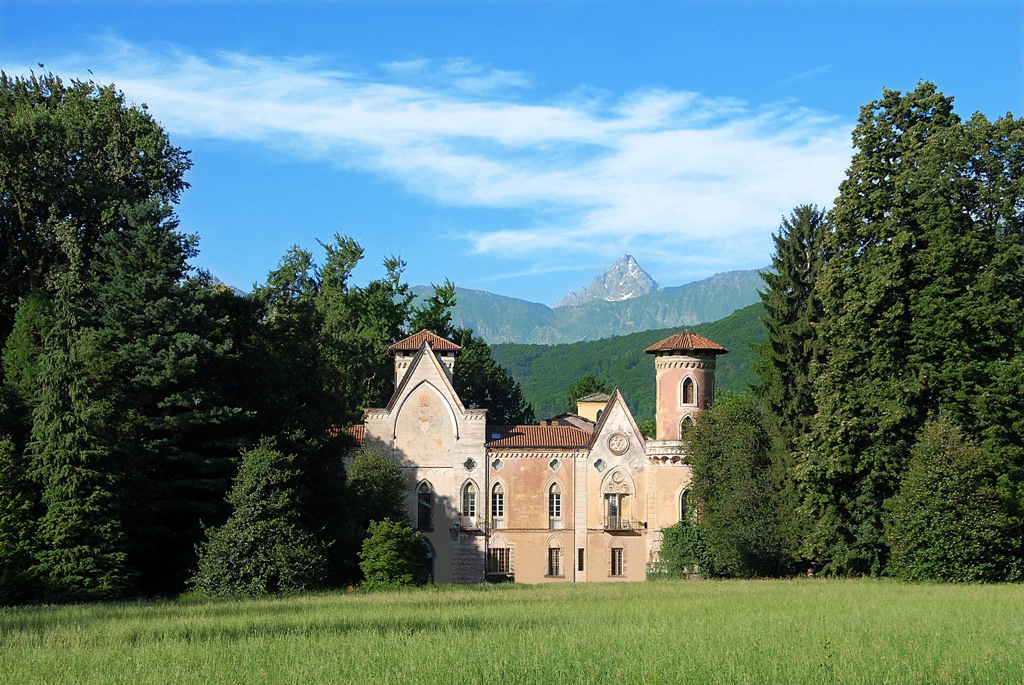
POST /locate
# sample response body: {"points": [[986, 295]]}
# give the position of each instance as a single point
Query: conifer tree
{"points": [[173, 439], [263, 547], [792, 352]]}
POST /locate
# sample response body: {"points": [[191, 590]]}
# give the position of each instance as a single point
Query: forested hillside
{"points": [[545, 372], [500, 319]]}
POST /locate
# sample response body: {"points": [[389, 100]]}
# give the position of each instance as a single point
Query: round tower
{"points": [[684, 364]]}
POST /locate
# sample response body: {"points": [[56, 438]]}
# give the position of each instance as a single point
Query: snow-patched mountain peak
{"points": [[624, 280]]}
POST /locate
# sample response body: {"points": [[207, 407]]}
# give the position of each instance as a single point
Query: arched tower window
{"points": [[688, 391], [424, 506], [684, 504]]}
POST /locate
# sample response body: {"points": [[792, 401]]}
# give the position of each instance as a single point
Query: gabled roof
{"points": [[423, 356], [596, 397], [615, 399], [536, 436], [413, 342], [685, 341]]}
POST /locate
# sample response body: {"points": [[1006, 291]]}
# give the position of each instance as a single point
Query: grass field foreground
{"points": [[858, 631]]}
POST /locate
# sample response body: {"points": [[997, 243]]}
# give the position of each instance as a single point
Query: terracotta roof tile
{"points": [[413, 342], [685, 341], [537, 436]]}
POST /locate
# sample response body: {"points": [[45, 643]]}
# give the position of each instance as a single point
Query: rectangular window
{"points": [[499, 560], [617, 567], [554, 561], [579, 559]]}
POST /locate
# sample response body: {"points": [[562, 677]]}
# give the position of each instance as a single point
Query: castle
{"points": [[580, 497]]}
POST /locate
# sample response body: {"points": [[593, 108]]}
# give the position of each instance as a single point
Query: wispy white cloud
{"points": [[805, 74], [596, 171]]}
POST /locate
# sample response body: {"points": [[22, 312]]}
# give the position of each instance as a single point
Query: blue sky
{"points": [[515, 147]]}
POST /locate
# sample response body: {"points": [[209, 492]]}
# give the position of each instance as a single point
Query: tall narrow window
{"points": [[579, 558], [617, 565], [425, 506], [498, 506], [469, 500], [689, 391], [554, 561], [554, 506], [684, 504]]}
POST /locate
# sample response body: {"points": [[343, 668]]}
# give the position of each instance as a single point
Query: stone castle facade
{"points": [[580, 497]]}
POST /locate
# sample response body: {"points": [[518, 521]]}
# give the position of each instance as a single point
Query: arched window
{"points": [[498, 506], [554, 558], [555, 506], [684, 425], [469, 499], [688, 393], [684, 504], [424, 506]]}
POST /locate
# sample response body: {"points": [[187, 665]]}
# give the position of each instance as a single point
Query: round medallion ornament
{"points": [[617, 476], [618, 443]]}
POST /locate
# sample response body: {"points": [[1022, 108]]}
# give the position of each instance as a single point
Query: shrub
{"points": [[393, 555], [262, 548]]}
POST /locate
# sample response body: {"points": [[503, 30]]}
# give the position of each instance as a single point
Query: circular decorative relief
{"points": [[618, 443], [469, 464], [497, 464], [617, 476]]}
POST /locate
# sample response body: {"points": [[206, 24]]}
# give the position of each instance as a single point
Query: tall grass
{"points": [[688, 632]]}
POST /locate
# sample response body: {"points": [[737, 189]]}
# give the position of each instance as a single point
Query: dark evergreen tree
{"points": [[263, 547], [792, 352], [173, 438], [734, 493], [17, 528], [951, 520], [81, 545]]}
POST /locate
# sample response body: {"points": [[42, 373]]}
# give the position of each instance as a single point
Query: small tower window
{"points": [[689, 391]]}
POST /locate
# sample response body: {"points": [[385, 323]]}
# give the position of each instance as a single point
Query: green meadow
{"points": [[797, 631]]}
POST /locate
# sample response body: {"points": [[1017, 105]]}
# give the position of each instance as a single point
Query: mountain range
{"points": [[500, 319], [624, 280]]}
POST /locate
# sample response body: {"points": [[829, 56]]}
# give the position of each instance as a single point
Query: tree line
{"points": [[134, 390], [886, 433]]}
